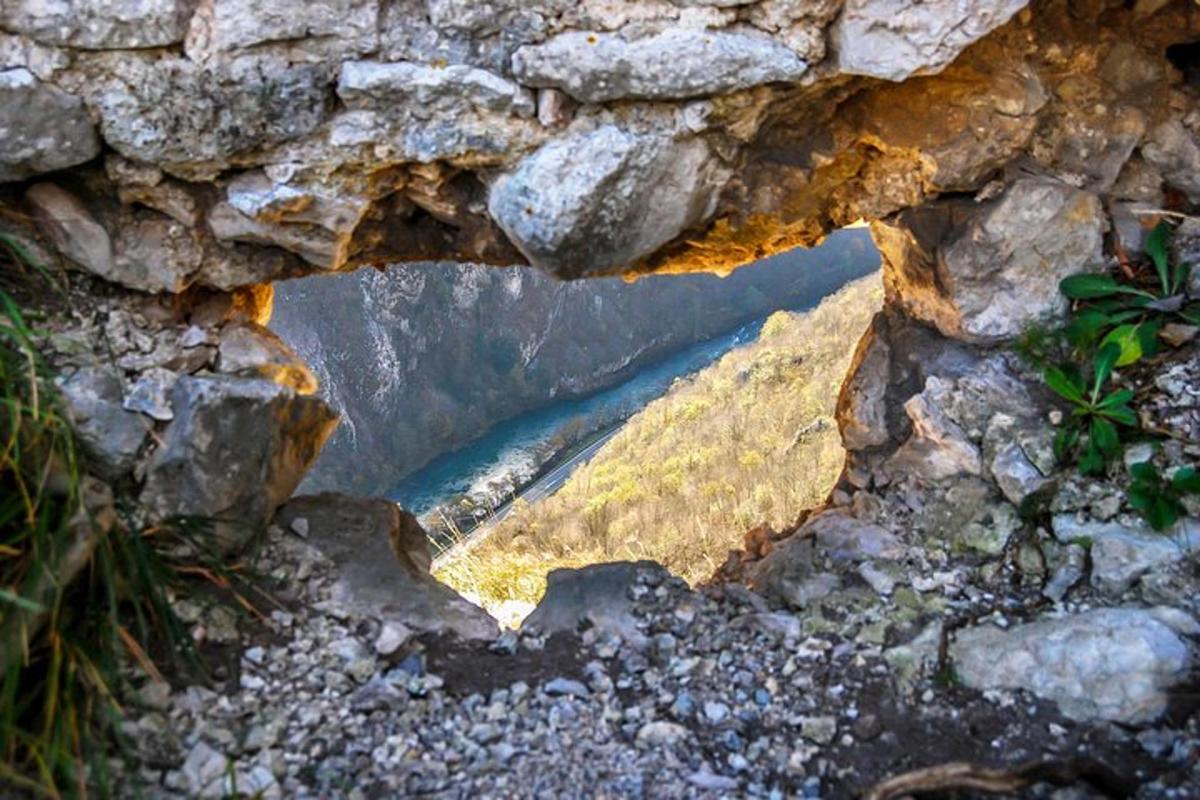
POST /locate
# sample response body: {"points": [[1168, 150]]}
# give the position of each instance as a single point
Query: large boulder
{"points": [[1112, 663], [235, 452], [42, 128], [985, 273], [604, 199], [382, 559]]}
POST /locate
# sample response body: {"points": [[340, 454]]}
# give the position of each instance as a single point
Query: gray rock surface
{"points": [[235, 452], [381, 561], [100, 24], [111, 435], [1112, 663], [604, 199], [893, 40], [597, 596], [1121, 554], [42, 128], [596, 67]]}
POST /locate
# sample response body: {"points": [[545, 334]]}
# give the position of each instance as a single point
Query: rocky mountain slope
{"points": [[422, 358], [747, 441]]}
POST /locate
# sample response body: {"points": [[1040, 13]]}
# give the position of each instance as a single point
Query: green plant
{"points": [[1091, 429], [1158, 500], [83, 591], [1130, 313]]}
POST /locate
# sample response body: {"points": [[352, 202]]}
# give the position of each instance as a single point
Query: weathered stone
{"points": [[151, 393], [251, 350], [71, 228], [599, 67], [191, 120], [596, 596], [99, 24], [224, 25], [42, 128], [1122, 554], [1112, 663], [235, 452], [845, 538], [154, 253], [111, 435], [1175, 152], [604, 199], [987, 278], [862, 410], [938, 448], [381, 561], [892, 39]]}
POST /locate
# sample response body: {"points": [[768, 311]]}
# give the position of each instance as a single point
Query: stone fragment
{"points": [[604, 199], [224, 25], [938, 448], [111, 435], [99, 24], [235, 452], [1111, 663], [845, 538], [1014, 474], [559, 687], [1122, 554], [42, 128], [862, 407], [151, 393], [1071, 569], [595, 596], [675, 64], [893, 40], [71, 228], [192, 120], [986, 273], [1175, 152], [381, 564], [248, 349], [659, 733]]}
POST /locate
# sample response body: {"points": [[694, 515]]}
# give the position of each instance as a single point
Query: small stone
{"points": [[818, 729], [715, 713], [660, 733], [565, 686], [299, 527], [392, 637]]}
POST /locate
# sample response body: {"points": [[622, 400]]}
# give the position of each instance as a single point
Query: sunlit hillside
{"points": [[750, 439]]}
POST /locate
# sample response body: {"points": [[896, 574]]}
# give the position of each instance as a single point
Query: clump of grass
{"points": [[746, 441], [83, 593]]}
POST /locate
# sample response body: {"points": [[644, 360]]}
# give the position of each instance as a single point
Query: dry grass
{"points": [[750, 439]]}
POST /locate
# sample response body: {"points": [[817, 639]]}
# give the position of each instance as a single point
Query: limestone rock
{"points": [[71, 228], [151, 393], [381, 557], [1122, 554], [598, 67], [407, 111], [251, 350], [192, 120], [938, 448], [111, 435], [845, 538], [235, 452], [987, 278], [604, 199], [1175, 152], [892, 39], [862, 410], [1111, 663], [594, 596], [225, 25], [42, 128], [99, 24]]}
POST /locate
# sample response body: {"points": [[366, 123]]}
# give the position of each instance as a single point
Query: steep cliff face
{"points": [[422, 358]]}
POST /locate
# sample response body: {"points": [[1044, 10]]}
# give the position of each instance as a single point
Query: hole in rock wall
{"points": [[533, 424], [1186, 58]]}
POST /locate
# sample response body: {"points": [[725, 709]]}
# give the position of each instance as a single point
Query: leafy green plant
{"points": [[1158, 500], [1130, 313], [1091, 430]]}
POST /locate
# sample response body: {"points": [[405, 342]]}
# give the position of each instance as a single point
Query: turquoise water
{"points": [[515, 444]]}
